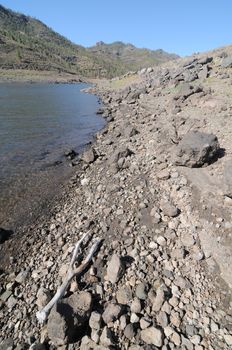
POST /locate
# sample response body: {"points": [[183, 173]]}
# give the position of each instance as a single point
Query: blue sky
{"points": [[176, 26]]}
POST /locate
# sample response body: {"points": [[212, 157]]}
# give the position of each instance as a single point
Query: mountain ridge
{"points": [[28, 43]]}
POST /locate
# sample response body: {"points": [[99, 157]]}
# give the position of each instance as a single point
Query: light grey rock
{"points": [[88, 344], [129, 331], [144, 323], [228, 178], [43, 297], [115, 269], [7, 344], [111, 313], [6, 295], [136, 305], [163, 174], [124, 295], [95, 320], [228, 339], [227, 62], [141, 291], [106, 338], [21, 277], [89, 156], [168, 209], [152, 336], [134, 318], [162, 319], [158, 301], [11, 302]]}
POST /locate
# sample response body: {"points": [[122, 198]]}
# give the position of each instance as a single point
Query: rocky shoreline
{"points": [[155, 187]]}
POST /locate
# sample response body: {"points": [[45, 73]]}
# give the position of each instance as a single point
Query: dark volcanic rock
{"points": [[68, 316], [187, 90], [70, 154], [5, 235], [196, 149]]}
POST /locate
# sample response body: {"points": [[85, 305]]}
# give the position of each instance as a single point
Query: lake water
{"points": [[38, 123]]}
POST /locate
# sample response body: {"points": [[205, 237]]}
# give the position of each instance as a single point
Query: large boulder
{"points": [[196, 149], [68, 317]]}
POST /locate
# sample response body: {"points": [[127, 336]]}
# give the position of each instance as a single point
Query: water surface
{"points": [[38, 124]]}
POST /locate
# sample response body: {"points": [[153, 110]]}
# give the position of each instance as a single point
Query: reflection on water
{"points": [[38, 123]]}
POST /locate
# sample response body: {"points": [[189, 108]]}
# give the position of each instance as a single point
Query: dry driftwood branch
{"points": [[72, 271]]}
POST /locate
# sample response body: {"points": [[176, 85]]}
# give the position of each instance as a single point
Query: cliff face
{"points": [[26, 43]]}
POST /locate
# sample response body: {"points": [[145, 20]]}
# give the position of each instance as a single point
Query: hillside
{"points": [[131, 57], [27, 43]]}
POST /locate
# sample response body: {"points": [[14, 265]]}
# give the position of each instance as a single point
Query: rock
{"points": [[68, 317], [6, 295], [168, 209], [115, 269], [158, 301], [111, 313], [175, 338], [22, 276], [124, 295], [89, 156], [106, 338], [162, 319], [161, 241], [205, 60], [152, 336], [5, 235], [228, 179], [123, 322], [144, 323], [134, 318], [43, 297], [196, 149], [190, 76], [163, 174], [7, 345], [100, 110], [38, 347], [130, 131], [227, 62], [187, 90], [71, 154], [120, 154], [129, 331], [95, 320], [228, 339], [11, 302], [142, 71], [136, 306], [204, 72], [141, 291]]}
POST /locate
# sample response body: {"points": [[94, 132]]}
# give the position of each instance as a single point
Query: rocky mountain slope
{"points": [[156, 188], [129, 56], [26, 43]]}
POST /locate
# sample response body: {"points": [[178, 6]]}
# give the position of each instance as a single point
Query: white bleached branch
{"points": [[72, 271]]}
